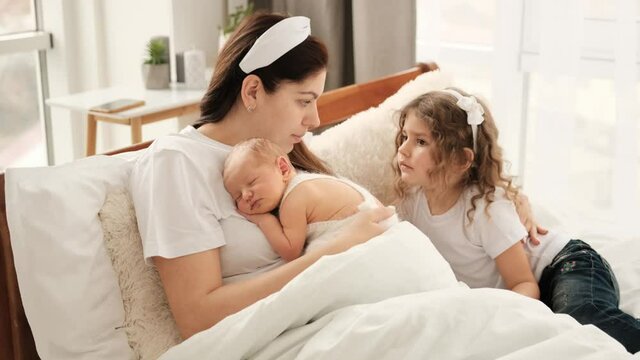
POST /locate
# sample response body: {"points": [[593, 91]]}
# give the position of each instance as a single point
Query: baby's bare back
{"points": [[326, 199]]}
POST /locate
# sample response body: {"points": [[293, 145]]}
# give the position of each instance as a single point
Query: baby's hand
{"points": [[256, 218]]}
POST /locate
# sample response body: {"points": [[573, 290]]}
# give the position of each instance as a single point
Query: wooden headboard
{"points": [[16, 340]]}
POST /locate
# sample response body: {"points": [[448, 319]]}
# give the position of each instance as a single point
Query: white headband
{"points": [[275, 42], [474, 111]]}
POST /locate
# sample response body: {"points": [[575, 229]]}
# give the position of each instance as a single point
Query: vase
{"points": [[155, 76]]}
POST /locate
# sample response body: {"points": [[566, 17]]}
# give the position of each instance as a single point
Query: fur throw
{"points": [[149, 325]]}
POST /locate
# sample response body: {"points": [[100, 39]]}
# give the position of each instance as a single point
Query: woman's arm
{"points": [[523, 207], [514, 267], [199, 300]]}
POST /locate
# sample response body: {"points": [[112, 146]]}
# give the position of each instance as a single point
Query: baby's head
{"points": [[446, 138], [256, 174]]}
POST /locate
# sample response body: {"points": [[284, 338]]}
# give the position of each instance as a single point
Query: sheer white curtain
{"points": [[626, 184], [582, 153], [366, 39], [562, 81], [553, 107]]}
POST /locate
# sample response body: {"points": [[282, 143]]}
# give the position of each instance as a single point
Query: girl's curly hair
{"points": [[451, 134]]}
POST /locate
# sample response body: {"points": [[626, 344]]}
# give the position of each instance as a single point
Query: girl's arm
{"points": [[514, 267], [523, 207], [288, 241], [198, 298]]}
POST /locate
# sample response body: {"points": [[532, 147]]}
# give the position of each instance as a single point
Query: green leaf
{"points": [[235, 18], [155, 52]]}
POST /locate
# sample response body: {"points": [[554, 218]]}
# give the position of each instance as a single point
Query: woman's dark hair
{"points": [[297, 64], [304, 60]]}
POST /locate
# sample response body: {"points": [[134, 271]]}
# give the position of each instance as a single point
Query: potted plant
{"points": [[155, 69], [232, 22]]}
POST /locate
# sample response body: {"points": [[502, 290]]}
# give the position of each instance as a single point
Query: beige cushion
{"points": [[148, 322]]}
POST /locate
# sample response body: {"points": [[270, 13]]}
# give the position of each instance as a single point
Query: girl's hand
{"points": [[364, 227], [523, 207]]}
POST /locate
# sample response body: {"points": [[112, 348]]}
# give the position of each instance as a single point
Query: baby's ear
{"points": [[284, 166]]}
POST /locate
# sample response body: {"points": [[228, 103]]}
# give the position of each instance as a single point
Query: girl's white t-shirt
{"points": [[471, 247], [183, 208]]}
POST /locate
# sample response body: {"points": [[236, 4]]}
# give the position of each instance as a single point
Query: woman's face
{"points": [[291, 110]]}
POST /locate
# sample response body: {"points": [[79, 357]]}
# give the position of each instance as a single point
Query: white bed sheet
{"points": [[395, 298]]}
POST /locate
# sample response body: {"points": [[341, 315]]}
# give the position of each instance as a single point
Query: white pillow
{"points": [[362, 148], [69, 289]]}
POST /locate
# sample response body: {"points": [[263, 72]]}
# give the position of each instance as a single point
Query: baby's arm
{"points": [[293, 217], [270, 225], [514, 267], [287, 233], [287, 247]]}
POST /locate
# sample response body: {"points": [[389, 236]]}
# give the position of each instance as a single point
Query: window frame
{"points": [[39, 41]]}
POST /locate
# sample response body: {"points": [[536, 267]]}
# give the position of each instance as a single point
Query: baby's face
{"points": [[256, 187]]}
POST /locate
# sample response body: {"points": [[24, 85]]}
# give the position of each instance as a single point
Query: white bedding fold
{"points": [[393, 298]]}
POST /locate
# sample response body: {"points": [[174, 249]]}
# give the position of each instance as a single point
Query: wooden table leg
{"points": [[136, 130], [92, 128]]}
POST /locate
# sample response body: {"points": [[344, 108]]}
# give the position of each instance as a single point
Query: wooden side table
{"points": [[159, 105]]}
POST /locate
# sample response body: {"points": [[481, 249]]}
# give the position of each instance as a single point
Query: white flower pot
{"points": [[155, 76]]}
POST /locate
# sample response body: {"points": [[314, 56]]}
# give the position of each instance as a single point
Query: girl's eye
{"points": [[403, 137], [421, 142]]}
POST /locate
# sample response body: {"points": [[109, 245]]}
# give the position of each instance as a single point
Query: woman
{"points": [[189, 228], [212, 261]]}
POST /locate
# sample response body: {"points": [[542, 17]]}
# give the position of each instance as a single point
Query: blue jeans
{"points": [[579, 282]]}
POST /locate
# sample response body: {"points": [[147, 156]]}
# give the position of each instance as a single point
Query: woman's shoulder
{"points": [[188, 140], [187, 146]]}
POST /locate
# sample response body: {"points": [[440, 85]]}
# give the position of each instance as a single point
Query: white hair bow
{"points": [[475, 112], [473, 108]]}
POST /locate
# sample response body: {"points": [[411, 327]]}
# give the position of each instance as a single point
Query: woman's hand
{"points": [[523, 207], [364, 227]]}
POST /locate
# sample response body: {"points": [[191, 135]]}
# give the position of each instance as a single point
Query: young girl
{"points": [[260, 178], [452, 187]]}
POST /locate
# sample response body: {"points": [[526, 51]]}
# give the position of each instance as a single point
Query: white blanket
{"points": [[394, 298]]}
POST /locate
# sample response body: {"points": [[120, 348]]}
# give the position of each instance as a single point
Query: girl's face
{"points": [[256, 186], [291, 111], [415, 154]]}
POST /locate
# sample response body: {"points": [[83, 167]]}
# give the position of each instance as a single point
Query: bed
{"points": [[16, 340], [368, 107]]}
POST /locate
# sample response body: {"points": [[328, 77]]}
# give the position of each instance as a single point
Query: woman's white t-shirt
{"points": [[183, 208], [471, 247]]}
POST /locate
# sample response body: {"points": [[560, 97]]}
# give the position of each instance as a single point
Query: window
{"points": [[23, 135], [17, 16], [562, 81]]}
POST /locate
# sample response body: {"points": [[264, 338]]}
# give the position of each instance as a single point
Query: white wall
{"points": [[128, 25], [100, 43], [64, 75]]}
